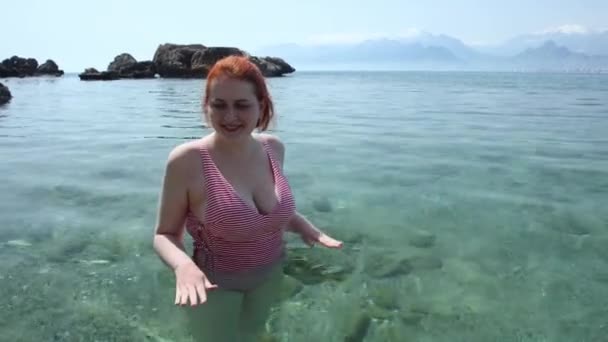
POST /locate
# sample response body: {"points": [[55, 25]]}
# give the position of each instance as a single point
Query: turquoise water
{"points": [[488, 191]]}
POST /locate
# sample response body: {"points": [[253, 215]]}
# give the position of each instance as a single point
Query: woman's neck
{"points": [[234, 148]]}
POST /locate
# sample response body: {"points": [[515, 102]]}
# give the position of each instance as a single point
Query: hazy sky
{"points": [[89, 33]]}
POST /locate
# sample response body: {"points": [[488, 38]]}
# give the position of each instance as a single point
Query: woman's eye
{"points": [[242, 106], [218, 105]]}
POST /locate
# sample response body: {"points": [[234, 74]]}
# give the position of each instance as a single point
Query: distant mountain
{"points": [[574, 37], [442, 52], [550, 56], [373, 52], [456, 46]]}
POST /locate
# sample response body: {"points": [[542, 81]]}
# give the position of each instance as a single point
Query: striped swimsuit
{"points": [[237, 245]]}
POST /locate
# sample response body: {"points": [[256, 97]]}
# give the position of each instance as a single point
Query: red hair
{"points": [[241, 68]]}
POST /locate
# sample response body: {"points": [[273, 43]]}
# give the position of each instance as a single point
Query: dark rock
{"points": [[203, 60], [195, 61], [359, 328], [122, 61], [173, 60], [91, 74], [18, 67], [309, 266], [189, 61], [26, 67], [5, 94], [49, 68], [6, 72], [272, 66], [128, 67], [140, 70]]}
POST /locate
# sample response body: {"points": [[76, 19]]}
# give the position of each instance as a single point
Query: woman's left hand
{"points": [[317, 237]]}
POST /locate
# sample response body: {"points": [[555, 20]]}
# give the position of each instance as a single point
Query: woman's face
{"points": [[233, 110]]}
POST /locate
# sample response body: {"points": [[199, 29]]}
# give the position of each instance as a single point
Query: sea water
{"points": [[473, 206]]}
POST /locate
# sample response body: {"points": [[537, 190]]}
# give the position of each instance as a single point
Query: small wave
{"points": [[171, 137], [187, 126], [587, 104]]}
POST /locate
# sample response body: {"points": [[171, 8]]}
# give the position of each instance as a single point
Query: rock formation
{"points": [[27, 67], [182, 61], [90, 74], [188, 61], [123, 66], [272, 66], [195, 60], [5, 94], [128, 67]]}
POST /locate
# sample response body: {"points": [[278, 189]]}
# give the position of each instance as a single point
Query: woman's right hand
{"points": [[191, 283]]}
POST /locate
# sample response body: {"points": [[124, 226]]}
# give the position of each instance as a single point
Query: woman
{"points": [[228, 191]]}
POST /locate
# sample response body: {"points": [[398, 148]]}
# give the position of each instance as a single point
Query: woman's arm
{"points": [[298, 223], [173, 204]]}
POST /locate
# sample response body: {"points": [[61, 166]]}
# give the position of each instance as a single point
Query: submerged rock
{"points": [[423, 240], [322, 205], [385, 297], [290, 286], [310, 266], [384, 266], [5, 94], [388, 266], [425, 262], [359, 327], [412, 317]]}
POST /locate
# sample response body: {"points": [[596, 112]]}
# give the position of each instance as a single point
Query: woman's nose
{"points": [[230, 113]]}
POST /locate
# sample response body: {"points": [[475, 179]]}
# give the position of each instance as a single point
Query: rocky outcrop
{"points": [[128, 67], [27, 67], [49, 68], [182, 61], [122, 61], [123, 66], [188, 61], [5, 94], [195, 60], [91, 74], [272, 66]]}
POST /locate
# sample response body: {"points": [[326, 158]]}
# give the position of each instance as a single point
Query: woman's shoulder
{"points": [[274, 142], [185, 155]]}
